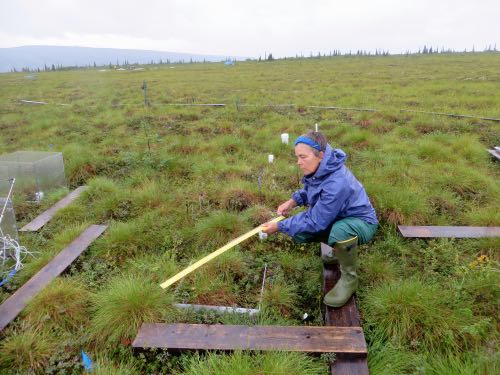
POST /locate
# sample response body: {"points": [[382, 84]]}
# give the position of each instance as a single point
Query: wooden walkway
{"points": [[345, 316], [448, 232], [237, 337], [18, 301], [342, 335], [45, 216]]}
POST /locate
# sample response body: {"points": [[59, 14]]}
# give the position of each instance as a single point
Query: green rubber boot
{"points": [[346, 252]]}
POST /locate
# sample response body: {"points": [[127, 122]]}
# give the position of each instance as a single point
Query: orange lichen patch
{"points": [[479, 261]]}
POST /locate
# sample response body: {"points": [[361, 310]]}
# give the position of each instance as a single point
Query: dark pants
{"points": [[341, 230]]}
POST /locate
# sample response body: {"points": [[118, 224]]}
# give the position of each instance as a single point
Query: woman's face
{"points": [[306, 159]]}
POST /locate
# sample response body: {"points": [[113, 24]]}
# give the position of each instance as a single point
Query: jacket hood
{"points": [[333, 160]]}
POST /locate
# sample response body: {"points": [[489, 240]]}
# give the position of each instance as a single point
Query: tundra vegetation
{"points": [[176, 182]]}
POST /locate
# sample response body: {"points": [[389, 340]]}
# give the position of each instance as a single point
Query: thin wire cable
{"points": [[12, 181], [262, 287], [270, 105], [9, 247]]}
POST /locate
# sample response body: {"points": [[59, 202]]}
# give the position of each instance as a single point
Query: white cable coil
{"points": [[9, 247]]}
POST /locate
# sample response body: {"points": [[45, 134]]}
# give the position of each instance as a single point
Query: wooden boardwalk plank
{"points": [[236, 337], [448, 231], [45, 216], [16, 302], [345, 316]]}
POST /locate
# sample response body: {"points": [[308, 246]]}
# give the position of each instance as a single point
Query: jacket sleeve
{"points": [[319, 217], [300, 197]]}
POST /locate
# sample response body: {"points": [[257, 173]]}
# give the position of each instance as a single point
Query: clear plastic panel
{"points": [[8, 224], [49, 173], [36, 172]]}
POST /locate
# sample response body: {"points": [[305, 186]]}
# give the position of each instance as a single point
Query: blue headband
{"points": [[309, 142]]}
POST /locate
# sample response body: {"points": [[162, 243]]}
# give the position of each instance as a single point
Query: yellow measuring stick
{"points": [[216, 253]]}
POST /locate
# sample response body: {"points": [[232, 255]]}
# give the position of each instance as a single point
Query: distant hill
{"points": [[34, 57]]}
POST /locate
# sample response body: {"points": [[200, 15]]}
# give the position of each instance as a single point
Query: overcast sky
{"points": [[252, 27]]}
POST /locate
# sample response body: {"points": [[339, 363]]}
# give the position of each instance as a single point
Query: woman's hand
{"points": [[269, 228], [285, 208]]}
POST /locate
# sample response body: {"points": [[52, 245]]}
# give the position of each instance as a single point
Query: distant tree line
{"points": [[125, 64], [379, 52]]}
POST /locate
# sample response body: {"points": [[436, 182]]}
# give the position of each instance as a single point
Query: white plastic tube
{"points": [[221, 309]]}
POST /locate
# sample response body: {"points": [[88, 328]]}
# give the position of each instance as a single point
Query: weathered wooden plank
{"points": [[45, 216], [236, 337], [349, 366], [345, 316], [16, 302], [495, 154], [448, 231]]}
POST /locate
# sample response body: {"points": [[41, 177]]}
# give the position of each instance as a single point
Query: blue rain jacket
{"points": [[332, 193]]}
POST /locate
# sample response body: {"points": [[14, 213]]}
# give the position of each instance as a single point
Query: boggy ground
{"points": [[174, 183]]}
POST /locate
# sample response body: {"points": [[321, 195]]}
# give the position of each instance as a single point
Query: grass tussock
{"points": [[377, 269], [144, 234], [80, 164], [388, 359], [417, 315], [127, 302], [220, 227], [249, 364], [63, 304], [281, 297], [467, 364], [26, 351]]}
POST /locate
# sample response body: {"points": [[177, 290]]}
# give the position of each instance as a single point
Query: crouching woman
{"points": [[339, 211]]}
